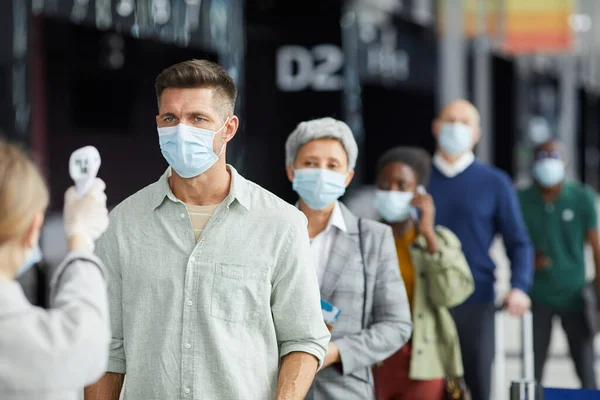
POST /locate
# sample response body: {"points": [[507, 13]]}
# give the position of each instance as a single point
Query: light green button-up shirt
{"points": [[209, 320]]}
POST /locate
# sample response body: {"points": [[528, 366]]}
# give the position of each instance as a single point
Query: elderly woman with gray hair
{"points": [[355, 261]]}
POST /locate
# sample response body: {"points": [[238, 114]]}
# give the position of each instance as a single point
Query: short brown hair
{"points": [[23, 192], [200, 74]]}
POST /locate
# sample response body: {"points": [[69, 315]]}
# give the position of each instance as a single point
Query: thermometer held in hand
{"points": [[83, 168]]}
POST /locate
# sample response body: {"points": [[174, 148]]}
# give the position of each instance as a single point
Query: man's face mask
{"points": [[549, 172], [455, 138], [188, 150]]}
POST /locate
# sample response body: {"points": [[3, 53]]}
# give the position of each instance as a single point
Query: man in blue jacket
{"points": [[477, 201]]}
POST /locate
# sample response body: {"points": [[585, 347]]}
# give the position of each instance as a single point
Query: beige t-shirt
{"points": [[200, 215]]}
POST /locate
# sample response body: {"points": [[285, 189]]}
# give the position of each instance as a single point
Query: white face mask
{"points": [[455, 138], [319, 187], [392, 205], [189, 150], [549, 172]]}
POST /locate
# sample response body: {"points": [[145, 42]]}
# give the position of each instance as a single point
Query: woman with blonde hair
{"points": [[49, 354]]}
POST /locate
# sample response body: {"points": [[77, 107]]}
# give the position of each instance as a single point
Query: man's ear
{"points": [[230, 128], [290, 173], [476, 135], [435, 127]]}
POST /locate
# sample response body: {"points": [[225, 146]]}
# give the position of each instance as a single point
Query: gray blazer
{"points": [[387, 320]]}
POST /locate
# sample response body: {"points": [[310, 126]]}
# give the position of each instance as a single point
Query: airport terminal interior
{"points": [[82, 72]]}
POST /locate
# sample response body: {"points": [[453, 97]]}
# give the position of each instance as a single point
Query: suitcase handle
{"points": [[527, 366]]}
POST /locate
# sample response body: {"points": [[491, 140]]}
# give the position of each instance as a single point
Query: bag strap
{"points": [[364, 310], [362, 257]]}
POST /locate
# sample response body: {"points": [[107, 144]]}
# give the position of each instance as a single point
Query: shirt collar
{"points": [[450, 170], [239, 190], [564, 191], [336, 219]]}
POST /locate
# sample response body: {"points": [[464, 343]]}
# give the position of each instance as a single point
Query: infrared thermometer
{"points": [[83, 168]]}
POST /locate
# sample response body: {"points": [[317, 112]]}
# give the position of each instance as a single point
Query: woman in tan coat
{"points": [[436, 276]]}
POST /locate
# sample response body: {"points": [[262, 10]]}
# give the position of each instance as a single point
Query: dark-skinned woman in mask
{"points": [[436, 276]]}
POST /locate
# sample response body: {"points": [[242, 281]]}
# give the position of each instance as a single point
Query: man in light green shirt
{"points": [[233, 315]]}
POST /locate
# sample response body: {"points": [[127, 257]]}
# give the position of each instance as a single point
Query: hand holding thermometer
{"points": [[83, 168]]}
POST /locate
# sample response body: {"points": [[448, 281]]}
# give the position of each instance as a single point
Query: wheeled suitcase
{"points": [[525, 388]]}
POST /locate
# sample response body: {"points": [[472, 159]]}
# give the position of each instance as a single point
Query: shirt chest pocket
{"points": [[239, 292]]}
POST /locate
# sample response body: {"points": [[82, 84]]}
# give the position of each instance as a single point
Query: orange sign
{"points": [[528, 26], [539, 26]]}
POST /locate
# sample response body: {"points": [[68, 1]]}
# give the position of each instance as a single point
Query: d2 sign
{"points": [[318, 68]]}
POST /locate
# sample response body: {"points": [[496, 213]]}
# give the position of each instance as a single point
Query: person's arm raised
{"points": [[110, 385]]}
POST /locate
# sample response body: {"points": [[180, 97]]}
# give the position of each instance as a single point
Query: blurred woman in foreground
{"points": [[49, 354], [436, 276]]}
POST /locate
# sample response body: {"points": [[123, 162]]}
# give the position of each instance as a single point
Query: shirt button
{"points": [[182, 215], [192, 258], [188, 346], [189, 303], [187, 390]]}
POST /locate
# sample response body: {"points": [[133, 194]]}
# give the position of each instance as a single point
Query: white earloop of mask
{"points": [[223, 145]]}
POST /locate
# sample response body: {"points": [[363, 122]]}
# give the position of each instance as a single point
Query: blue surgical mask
{"points": [[549, 171], [34, 257], [318, 187], [455, 138], [392, 205], [188, 150]]}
